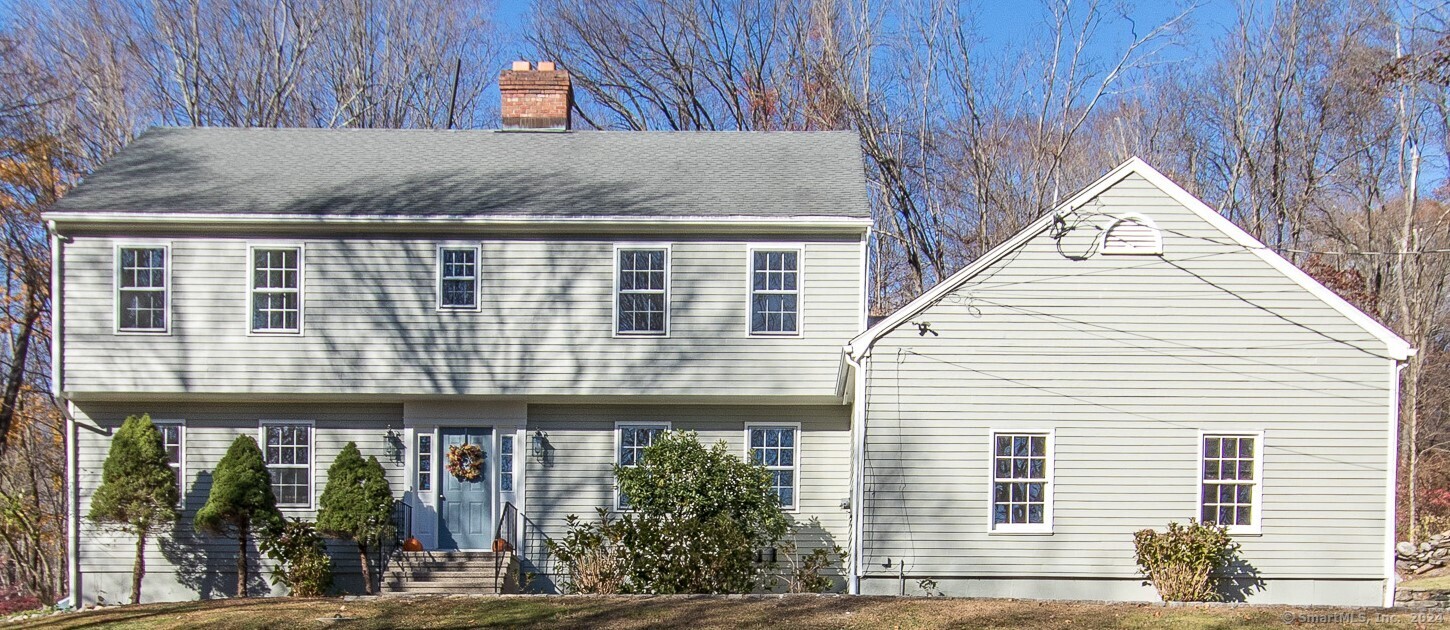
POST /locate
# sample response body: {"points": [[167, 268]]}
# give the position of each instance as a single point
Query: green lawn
{"points": [[706, 612]]}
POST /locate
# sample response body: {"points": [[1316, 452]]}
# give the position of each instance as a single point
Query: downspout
{"points": [[72, 493], [1391, 479], [858, 465]]}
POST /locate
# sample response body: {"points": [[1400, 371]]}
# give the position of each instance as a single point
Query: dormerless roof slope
{"points": [[331, 173]]}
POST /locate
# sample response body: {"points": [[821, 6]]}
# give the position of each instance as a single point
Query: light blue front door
{"points": [[466, 507]]}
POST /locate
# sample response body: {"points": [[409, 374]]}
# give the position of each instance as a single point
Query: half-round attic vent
{"points": [[1132, 234]]}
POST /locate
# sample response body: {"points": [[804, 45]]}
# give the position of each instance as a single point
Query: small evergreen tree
{"points": [[241, 501], [138, 491], [357, 505]]}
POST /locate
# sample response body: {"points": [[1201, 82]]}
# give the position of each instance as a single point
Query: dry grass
{"points": [[699, 613]]}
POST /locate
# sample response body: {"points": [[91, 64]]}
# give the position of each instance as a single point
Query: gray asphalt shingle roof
{"points": [[355, 172]]}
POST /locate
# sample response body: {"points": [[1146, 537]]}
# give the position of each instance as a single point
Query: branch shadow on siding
{"points": [[205, 563]]}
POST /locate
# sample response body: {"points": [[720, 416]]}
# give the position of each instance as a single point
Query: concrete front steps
{"points": [[451, 573]]}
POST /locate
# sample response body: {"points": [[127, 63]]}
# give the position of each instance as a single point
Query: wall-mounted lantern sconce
{"points": [[538, 444], [394, 445]]}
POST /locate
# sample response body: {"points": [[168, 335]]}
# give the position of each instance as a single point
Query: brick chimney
{"points": [[535, 98]]}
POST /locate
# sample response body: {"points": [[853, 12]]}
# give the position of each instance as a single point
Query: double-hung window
{"points": [[775, 448], [173, 439], [458, 277], [775, 292], [1022, 482], [641, 299], [632, 439], [287, 449], [1230, 482], [276, 289], [141, 289]]}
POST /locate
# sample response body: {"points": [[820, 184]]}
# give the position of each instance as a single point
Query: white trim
{"points": [[1397, 348], [858, 474], [57, 312], [73, 502], [301, 248], [800, 287], [1256, 507], [804, 222], [1132, 217], [618, 443], [1392, 459], [311, 457], [180, 453], [477, 276], [167, 289], [795, 468], [1049, 484], [614, 284]]}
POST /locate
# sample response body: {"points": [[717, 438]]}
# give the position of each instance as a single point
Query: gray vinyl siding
{"points": [[371, 323], [1126, 358], [185, 564], [577, 477]]}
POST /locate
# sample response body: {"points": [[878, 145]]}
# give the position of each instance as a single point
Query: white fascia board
{"points": [[518, 221], [1398, 349]]}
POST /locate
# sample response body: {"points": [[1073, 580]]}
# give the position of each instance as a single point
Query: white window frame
{"points": [[252, 292], [800, 287], [619, 443], [432, 453], [311, 458], [477, 276], [614, 283], [166, 290], [1256, 505], [1048, 491], [512, 470], [795, 467], [180, 465], [1132, 217]]}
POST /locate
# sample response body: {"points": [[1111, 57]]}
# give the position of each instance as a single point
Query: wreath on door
{"points": [[465, 461]]}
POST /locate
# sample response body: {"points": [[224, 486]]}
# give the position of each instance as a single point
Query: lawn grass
{"points": [[698, 613]]}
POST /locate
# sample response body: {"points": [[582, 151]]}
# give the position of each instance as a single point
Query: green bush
{"points": [[357, 505], [138, 493], [241, 501], [301, 557], [699, 517], [1182, 562], [808, 572]]}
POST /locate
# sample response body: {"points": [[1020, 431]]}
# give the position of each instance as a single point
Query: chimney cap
{"points": [[546, 66], [522, 66]]}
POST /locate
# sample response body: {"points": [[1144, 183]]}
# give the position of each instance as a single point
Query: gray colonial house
{"points": [[559, 297]]}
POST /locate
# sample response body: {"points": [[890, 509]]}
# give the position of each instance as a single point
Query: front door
{"points": [[465, 508]]}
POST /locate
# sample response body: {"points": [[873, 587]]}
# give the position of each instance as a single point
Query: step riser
{"points": [[451, 572]]}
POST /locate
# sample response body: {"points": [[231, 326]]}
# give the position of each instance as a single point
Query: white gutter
{"points": [[1391, 479], [505, 220], [72, 489], [858, 475]]}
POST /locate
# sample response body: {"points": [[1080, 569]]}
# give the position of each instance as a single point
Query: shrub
{"points": [[241, 501], [1183, 561], [14, 600], [138, 491], [357, 505], [699, 517], [301, 556], [808, 573]]}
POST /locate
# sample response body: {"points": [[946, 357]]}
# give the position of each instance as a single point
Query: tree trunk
{"points": [[242, 561], [367, 572], [138, 570]]}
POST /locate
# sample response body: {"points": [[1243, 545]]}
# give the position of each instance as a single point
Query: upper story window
{"points": [[1230, 486], [458, 277], [141, 292], [1132, 234], [632, 440], [775, 447], [287, 450], [173, 439], [276, 289], [775, 292], [1022, 482], [642, 291]]}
